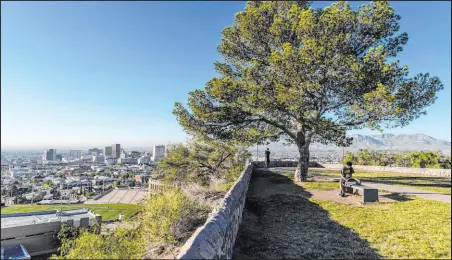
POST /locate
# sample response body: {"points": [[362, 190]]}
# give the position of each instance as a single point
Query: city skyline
{"points": [[86, 74]]}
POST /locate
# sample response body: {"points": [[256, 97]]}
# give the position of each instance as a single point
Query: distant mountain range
{"points": [[384, 142]]}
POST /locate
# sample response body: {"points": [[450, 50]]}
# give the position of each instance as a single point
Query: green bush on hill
{"points": [[421, 159]]}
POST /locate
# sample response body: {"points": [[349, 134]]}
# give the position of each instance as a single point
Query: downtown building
{"points": [[75, 154], [158, 152], [49, 155], [116, 151], [108, 151]]}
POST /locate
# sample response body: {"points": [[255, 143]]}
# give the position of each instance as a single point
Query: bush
{"points": [[169, 216], [123, 243], [421, 159]]}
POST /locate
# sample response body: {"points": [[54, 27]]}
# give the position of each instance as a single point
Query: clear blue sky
{"points": [[88, 74]]}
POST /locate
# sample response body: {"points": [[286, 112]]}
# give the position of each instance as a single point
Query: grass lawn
{"points": [[412, 229], [435, 184], [108, 211]]}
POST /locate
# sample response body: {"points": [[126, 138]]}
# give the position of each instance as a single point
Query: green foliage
{"points": [[348, 157], [233, 174], [308, 75], [201, 160], [67, 236], [167, 215], [421, 159], [123, 243]]}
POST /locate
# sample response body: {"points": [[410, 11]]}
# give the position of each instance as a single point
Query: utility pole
{"points": [[343, 154], [257, 159]]}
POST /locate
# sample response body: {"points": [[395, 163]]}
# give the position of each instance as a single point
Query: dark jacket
{"points": [[267, 155]]}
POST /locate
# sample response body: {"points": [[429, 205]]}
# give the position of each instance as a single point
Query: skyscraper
{"points": [[108, 151], [75, 154], [49, 155], [158, 152], [116, 150]]}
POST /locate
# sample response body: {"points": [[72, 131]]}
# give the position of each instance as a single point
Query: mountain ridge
{"points": [[383, 142]]}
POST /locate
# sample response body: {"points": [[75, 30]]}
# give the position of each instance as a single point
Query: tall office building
{"points": [[49, 155], [116, 150], [75, 154], [158, 152], [108, 151]]}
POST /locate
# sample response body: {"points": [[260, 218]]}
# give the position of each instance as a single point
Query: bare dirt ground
{"points": [[280, 222]]}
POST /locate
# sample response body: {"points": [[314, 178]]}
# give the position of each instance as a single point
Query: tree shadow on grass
{"points": [[280, 222], [397, 197]]}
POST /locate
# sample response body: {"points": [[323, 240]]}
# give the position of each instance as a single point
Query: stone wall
{"points": [[261, 164], [403, 170], [100, 196], [406, 170], [216, 238]]}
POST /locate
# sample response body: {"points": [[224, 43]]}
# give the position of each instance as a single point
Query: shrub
{"points": [[169, 216], [123, 243], [420, 159]]}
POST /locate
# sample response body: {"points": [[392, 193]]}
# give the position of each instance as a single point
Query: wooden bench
{"points": [[368, 194]]}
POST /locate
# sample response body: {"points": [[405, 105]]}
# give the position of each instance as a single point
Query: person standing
{"points": [[267, 158]]}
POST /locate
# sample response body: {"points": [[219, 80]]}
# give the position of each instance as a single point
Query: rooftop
{"points": [[24, 219], [15, 252]]}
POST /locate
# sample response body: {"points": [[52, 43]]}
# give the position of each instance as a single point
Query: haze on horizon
{"points": [[89, 74]]}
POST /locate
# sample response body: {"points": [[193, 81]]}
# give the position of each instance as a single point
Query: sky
{"points": [[90, 74]]}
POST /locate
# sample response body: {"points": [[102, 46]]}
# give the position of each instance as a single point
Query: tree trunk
{"points": [[301, 173]]}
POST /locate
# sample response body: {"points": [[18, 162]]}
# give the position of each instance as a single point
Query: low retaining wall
{"points": [[261, 164], [326, 166], [12, 215], [216, 238], [100, 196], [405, 170]]}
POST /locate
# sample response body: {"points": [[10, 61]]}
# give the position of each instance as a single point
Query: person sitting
{"points": [[347, 173]]}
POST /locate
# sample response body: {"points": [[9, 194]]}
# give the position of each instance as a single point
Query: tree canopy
{"points": [[201, 160], [308, 75]]}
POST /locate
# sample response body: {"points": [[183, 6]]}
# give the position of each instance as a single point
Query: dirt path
{"points": [[280, 222]]}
